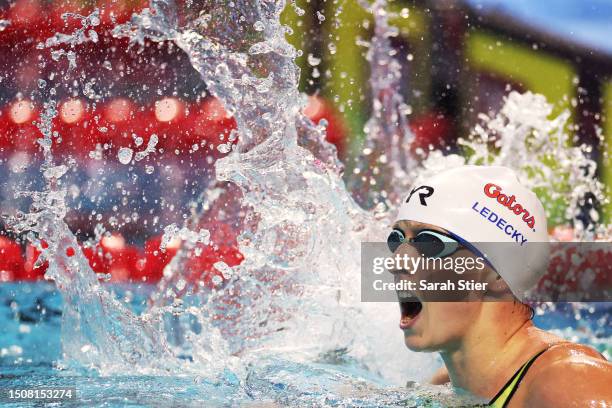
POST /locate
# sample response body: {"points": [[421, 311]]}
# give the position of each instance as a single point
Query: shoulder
{"points": [[440, 377], [569, 375]]}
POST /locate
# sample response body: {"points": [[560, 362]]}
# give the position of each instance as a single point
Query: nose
{"points": [[407, 248], [403, 263]]}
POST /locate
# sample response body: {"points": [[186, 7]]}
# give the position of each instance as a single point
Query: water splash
{"points": [[295, 282], [297, 294], [300, 207], [86, 33], [117, 338], [125, 155], [384, 170], [540, 148], [98, 331]]}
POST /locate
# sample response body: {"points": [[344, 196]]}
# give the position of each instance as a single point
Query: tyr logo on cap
{"points": [[422, 196]]}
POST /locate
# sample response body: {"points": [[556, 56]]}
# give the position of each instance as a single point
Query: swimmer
{"points": [[492, 349]]}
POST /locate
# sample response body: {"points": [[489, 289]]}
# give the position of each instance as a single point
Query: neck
{"points": [[483, 360]]}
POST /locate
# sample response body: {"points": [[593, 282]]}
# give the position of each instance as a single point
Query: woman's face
{"points": [[427, 325]]}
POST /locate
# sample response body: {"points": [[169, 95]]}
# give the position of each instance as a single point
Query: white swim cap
{"points": [[484, 205]]}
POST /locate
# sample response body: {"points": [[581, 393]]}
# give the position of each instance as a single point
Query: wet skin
{"points": [[484, 343]]}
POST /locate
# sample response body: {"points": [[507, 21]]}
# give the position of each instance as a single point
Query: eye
{"points": [[435, 245], [395, 239]]}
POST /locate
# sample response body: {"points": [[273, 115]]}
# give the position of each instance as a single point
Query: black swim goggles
{"points": [[432, 244]]}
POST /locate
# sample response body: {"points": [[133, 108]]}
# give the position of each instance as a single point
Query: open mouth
{"points": [[410, 308]]}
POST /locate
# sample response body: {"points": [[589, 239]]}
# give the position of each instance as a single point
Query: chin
{"points": [[423, 341], [416, 344]]}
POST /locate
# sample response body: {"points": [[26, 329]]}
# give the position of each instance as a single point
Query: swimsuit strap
{"points": [[504, 395]]}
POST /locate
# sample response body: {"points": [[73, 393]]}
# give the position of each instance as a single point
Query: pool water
{"points": [[31, 355]]}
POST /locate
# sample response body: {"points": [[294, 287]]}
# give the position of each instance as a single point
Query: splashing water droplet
{"points": [[224, 268], [332, 48], [125, 155], [224, 148], [314, 61]]}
